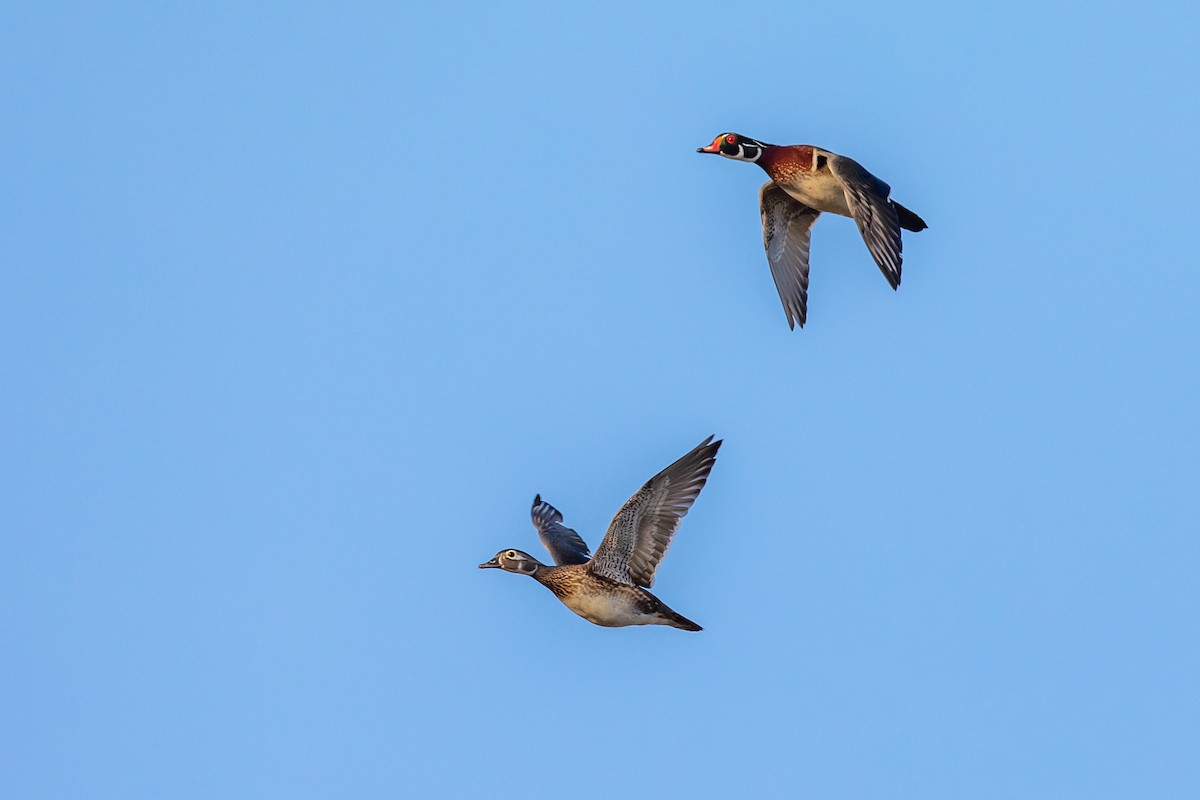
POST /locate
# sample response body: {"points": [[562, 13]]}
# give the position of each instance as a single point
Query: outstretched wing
{"points": [[565, 545], [641, 531], [867, 197], [787, 232]]}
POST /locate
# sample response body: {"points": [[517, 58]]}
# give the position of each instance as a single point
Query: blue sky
{"points": [[300, 307]]}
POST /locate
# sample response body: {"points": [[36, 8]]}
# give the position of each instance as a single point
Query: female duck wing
{"points": [[867, 197], [565, 545], [641, 531], [787, 233]]}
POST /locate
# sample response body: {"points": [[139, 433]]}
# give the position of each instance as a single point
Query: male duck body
{"points": [[610, 587], [805, 181]]}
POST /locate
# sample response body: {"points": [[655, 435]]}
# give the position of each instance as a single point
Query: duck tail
{"points": [[908, 220], [679, 621]]}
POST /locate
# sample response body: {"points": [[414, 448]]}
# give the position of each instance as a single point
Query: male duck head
{"points": [[736, 146], [513, 561]]}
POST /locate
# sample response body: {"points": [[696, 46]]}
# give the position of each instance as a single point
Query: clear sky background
{"points": [[300, 307]]}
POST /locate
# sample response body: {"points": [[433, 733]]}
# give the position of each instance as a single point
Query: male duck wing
{"points": [[867, 197], [565, 545], [787, 233], [641, 531]]}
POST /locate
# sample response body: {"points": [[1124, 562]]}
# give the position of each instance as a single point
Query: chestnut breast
{"points": [[803, 172]]}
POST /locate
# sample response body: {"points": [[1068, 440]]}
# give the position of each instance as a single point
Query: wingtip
{"points": [[796, 317], [707, 450]]}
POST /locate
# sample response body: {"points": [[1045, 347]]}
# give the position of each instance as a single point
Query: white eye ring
{"points": [[511, 554]]}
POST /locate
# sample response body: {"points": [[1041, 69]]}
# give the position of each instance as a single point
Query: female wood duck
{"points": [[609, 588], [805, 181]]}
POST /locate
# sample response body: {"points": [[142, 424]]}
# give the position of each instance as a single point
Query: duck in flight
{"points": [[609, 588], [805, 181]]}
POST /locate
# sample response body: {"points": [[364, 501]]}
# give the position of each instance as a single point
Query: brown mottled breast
{"points": [[564, 580], [784, 163]]}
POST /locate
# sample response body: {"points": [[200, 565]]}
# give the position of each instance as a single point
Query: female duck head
{"points": [[513, 561]]}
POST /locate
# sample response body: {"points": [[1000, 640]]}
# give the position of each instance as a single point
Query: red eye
{"points": [[731, 139]]}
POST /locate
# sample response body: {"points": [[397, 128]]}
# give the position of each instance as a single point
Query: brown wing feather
{"points": [[641, 531], [867, 197], [787, 233], [564, 544]]}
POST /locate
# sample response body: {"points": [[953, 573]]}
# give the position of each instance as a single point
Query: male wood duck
{"points": [[609, 588], [805, 181]]}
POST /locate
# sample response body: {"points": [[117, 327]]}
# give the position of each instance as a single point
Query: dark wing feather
{"points": [[787, 232], [641, 531], [565, 545], [867, 197]]}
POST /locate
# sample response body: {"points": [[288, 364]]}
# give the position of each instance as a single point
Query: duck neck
{"points": [[552, 579]]}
